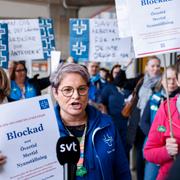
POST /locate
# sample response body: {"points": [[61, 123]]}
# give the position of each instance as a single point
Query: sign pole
{"points": [[167, 95]]}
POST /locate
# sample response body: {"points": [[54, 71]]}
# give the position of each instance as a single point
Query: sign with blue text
{"points": [[98, 40], [4, 50], [30, 39], [155, 26], [28, 139]]}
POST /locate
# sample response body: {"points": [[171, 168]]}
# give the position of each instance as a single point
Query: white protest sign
{"points": [[55, 58], [123, 18], [29, 133], [155, 26], [105, 44], [24, 39]]}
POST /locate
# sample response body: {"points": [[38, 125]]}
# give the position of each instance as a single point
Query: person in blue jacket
{"points": [[23, 87], [113, 98], [102, 154], [96, 84]]}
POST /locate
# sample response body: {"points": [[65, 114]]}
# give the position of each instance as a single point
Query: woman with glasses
{"points": [[21, 86], [102, 154]]}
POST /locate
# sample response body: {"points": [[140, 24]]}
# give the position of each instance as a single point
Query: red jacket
{"points": [[155, 150]]}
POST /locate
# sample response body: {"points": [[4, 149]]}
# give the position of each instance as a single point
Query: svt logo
{"points": [[68, 147]]}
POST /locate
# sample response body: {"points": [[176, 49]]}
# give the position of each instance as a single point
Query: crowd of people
{"points": [[90, 100]]}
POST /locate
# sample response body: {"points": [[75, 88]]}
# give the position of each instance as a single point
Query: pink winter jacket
{"points": [[155, 150]]}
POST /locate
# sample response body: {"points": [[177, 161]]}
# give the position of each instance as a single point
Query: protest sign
{"points": [[30, 38], [102, 42], [24, 39], [123, 18], [29, 133], [155, 26], [55, 59], [105, 44]]}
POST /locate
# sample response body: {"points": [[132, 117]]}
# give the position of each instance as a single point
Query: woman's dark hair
{"points": [[111, 73], [115, 66], [16, 63]]}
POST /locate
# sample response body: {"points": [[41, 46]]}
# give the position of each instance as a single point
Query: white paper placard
{"points": [[105, 44], [29, 133], [123, 18], [155, 26], [24, 39], [55, 58]]}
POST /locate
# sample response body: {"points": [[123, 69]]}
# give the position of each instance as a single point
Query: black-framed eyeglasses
{"points": [[68, 91], [20, 70]]}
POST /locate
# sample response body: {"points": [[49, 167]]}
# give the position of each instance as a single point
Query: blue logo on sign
{"points": [[44, 104]]}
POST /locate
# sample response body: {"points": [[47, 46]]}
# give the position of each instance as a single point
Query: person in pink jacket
{"points": [[161, 148]]}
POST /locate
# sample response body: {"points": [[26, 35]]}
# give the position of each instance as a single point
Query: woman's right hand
{"points": [[171, 146], [2, 159]]}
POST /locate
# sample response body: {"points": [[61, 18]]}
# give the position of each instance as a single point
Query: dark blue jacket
{"points": [[95, 88], [114, 101], [104, 154], [150, 111]]}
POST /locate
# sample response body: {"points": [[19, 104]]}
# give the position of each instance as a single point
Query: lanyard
{"points": [[81, 170]]}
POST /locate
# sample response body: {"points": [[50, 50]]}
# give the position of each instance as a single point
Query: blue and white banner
{"points": [[79, 39], [4, 54], [47, 36], [98, 40]]}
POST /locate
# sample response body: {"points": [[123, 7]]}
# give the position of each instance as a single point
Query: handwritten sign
{"points": [[102, 42], [28, 139], [24, 39], [155, 26], [105, 44]]}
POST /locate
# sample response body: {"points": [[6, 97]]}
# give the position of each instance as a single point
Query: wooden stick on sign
{"points": [[167, 95]]}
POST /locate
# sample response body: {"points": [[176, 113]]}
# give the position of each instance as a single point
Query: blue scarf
{"points": [[95, 78]]}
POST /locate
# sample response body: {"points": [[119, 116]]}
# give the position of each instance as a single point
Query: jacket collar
{"points": [[94, 124], [94, 120]]}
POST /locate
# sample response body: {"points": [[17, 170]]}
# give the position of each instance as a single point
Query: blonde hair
{"points": [[4, 85]]}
